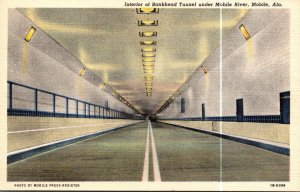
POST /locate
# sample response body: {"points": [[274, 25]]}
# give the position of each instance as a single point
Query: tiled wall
{"points": [[44, 64], [256, 70]]}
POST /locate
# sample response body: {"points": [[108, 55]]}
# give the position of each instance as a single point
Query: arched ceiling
{"points": [[107, 42]]}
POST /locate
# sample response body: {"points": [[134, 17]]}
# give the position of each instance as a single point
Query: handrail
{"points": [[106, 111]]}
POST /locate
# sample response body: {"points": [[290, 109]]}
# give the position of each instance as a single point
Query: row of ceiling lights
{"points": [[148, 57], [148, 47], [82, 71], [246, 35], [103, 86]]}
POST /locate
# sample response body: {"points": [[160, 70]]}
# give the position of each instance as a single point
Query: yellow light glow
{"points": [[148, 60], [148, 49], [149, 76], [61, 28], [24, 58], [148, 71], [250, 50], [148, 64], [203, 69], [147, 9], [148, 42], [148, 67], [81, 71], [148, 34], [102, 86], [244, 32], [148, 55], [148, 23], [29, 34]]}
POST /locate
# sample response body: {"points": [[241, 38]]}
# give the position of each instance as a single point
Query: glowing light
{"points": [[148, 60], [82, 71], [102, 86], [148, 55], [148, 64], [148, 34], [148, 22], [203, 69], [148, 49], [244, 32], [147, 10], [30, 34], [148, 42]]}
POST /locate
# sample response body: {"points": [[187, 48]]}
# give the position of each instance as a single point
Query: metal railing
{"points": [[256, 119], [89, 110]]}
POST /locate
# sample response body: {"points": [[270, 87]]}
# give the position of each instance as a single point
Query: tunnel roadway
{"points": [[153, 152]]}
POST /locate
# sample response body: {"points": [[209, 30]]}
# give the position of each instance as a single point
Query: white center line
{"points": [[145, 176], [156, 171]]}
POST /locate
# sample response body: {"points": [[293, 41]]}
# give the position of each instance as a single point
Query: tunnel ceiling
{"points": [[107, 42]]}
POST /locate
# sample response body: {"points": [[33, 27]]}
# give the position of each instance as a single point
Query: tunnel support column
{"points": [[36, 102], [54, 103], [10, 98], [239, 110], [203, 112], [285, 107]]}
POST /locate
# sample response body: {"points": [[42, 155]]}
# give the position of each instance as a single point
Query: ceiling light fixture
{"points": [[103, 86], [244, 31], [149, 76], [148, 42], [81, 71], [29, 34], [147, 22], [147, 10], [148, 71], [148, 55], [148, 59], [203, 69], [148, 68], [148, 34], [148, 49], [148, 64]]}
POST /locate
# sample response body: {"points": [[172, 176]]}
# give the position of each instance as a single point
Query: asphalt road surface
{"points": [[153, 152]]}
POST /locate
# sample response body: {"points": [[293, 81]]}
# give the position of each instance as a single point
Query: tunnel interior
{"points": [[221, 75]]}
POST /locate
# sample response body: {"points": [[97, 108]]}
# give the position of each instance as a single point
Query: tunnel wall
{"points": [[24, 132], [278, 133], [43, 64], [256, 70]]}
